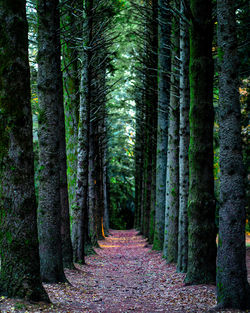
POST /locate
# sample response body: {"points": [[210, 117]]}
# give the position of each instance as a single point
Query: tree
{"points": [[67, 251], [81, 211], [150, 98], [72, 32], [20, 266], [163, 107], [201, 203], [50, 101], [184, 142], [233, 290], [172, 194]]}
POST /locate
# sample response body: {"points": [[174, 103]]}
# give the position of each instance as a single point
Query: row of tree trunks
{"points": [[190, 238], [90, 216], [146, 129]]}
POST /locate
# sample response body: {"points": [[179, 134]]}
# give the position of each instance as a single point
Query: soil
{"points": [[124, 275]]}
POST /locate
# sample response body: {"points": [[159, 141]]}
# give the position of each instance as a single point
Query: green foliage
{"points": [[121, 122]]}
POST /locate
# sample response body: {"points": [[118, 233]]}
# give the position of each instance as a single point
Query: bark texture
{"points": [[82, 168], [201, 203], [49, 95], [232, 287], [172, 207], [151, 95], [184, 144], [20, 266], [71, 22], [162, 132], [67, 250], [80, 216]]}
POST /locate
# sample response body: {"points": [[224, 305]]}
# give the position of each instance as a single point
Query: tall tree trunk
{"points": [[67, 251], [91, 186], [172, 207], [201, 209], [82, 168], [148, 166], [154, 117], [20, 266], [71, 22], [50, 97], [162, 138], [184, 143], [105, 189], [232, 287], [139, 164]]}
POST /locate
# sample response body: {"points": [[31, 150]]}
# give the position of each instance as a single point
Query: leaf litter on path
{"points": [[124, 276]]}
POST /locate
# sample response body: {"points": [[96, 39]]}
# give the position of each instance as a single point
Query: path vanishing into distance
{"points": [[124, 275]]}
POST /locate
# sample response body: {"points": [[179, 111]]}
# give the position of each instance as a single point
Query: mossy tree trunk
{"points": [[105, 181], [67, 250], [20, 266], [80, 226], [184, 143], [201, 203], [172, 194], [154, 116], [50, 100], [232, 287], [138, 163], [162, 128], [71, 22]]}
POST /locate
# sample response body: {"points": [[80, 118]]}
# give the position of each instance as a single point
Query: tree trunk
{"points": [[201, 209], [172, 207], [91, 187], [49, 94], [232, 287], [71, 22], [162, 137], [139, 164], [105, 191], [20, 266], [67, 251], [184, 144], [82, 168]]}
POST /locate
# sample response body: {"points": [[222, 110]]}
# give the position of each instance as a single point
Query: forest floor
{"points": [[124, 275]]}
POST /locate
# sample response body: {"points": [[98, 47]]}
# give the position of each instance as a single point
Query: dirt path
{"points": [[124, 276]]}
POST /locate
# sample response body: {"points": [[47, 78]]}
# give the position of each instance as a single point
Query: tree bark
{"points": [[71, 22], [201, 209], [162, 128], [82, 168], [172, 207], [50, 97], [20, 266], [232, 286], [67, 251], [184, 143]]}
